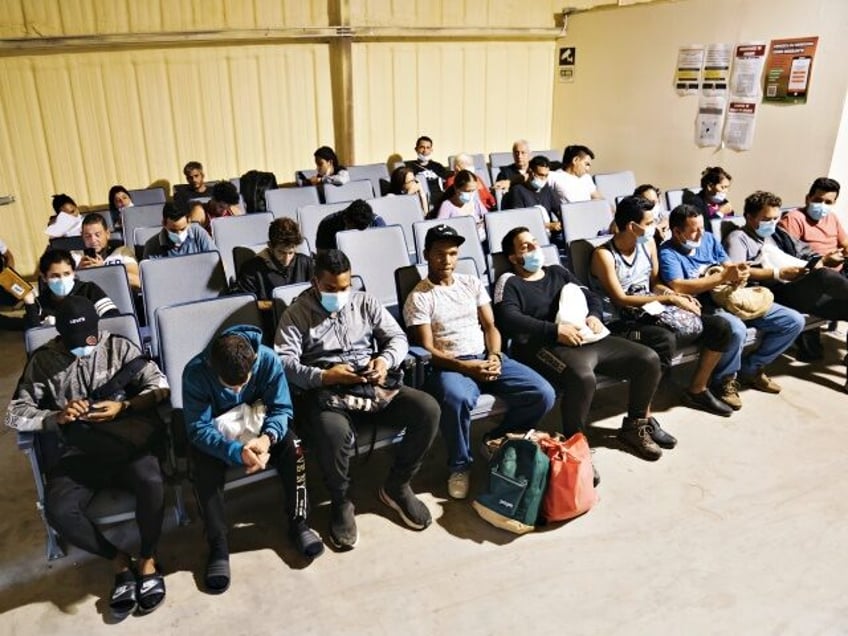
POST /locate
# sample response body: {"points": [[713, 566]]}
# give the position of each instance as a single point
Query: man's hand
{"points": [[90, 261], [376, 371], [479, 370], [253, 462], [594, 324], [341, 374], [104, 411], [736, 273], [260, 445], [494, 364], [792, 273], [553, 226], [686, 302], [831, 260], [73, 411], [569, 335], [29, 298]]}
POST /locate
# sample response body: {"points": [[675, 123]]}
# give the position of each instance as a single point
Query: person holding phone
{"points": [[100, 250]]}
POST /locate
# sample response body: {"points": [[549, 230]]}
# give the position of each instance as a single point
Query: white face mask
{"points": [[178, 238]]}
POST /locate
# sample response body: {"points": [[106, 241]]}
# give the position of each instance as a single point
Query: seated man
{"points": [[817, 224], [334, 342], [178, 237], [574, 182], [527, 301], [225, 201], [790, 268], [626, 269], [357, 216], [100, 251], [684, 259], [535, 192], [237, 411], [197, 188], [79, 385], [450, 315], [518, 171], [430, 169]]}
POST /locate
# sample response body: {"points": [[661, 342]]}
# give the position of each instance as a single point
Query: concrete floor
{"points": [[742, 529]]}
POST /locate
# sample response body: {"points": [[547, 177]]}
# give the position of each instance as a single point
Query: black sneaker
{"points": [[706, 401], [343, 532], [662, 437], [411, 509], [306, 540], [636, 434]]}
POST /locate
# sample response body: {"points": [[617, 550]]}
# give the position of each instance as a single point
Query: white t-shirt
{"points": [[122, 255], [571, 189], [451, 311]]}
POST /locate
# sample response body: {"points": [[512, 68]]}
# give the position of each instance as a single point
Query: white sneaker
{"points": [[458, 484]]}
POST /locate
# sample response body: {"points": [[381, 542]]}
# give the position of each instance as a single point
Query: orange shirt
{"points": [[823, 236]]}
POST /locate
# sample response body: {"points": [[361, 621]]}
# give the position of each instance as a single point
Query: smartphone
{"points": [[799, 74], [96, 409], [813, 261], [90, 252]]}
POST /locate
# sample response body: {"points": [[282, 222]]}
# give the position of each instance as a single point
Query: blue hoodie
{"points": [[205, 398]]}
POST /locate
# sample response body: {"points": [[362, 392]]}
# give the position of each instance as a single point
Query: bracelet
{"points": [[497, 354]]}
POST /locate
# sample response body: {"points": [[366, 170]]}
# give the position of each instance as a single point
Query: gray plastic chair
{"points": [[139, 216], [147, 196], [287, 201], [230, 231], [674, 197], [615, 184], [372, 172], [375, 253], [465, 226], [402, 210], [586, 219], [112, 279], [309, 217], [350, 191], [498, 225]]}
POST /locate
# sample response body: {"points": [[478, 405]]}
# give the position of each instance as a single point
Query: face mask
{"points": [[178, 238], [233, 393], [647, 236], [719, 197], [82, 352], [423, 158], [766, 228], [533, 261], [61, 286], [691, 246], [466, 197], [537, 184], [334, 301], [817, 211]]}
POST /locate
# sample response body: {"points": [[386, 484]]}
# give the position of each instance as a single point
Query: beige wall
{"points": [[623, 105]]}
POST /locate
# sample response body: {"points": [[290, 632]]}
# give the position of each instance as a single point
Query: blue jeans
{"points": [[778, 328], [527, 394]]}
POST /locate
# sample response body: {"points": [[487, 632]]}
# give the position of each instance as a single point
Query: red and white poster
{"points": [[789, 68]]}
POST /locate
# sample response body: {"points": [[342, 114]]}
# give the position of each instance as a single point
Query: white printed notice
{"points": [[748, 63], [740, 124], [709, 120], [687, 75], [716, 69]]}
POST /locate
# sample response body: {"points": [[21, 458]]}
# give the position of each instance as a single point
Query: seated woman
{"points": [[711, 201], [330, 171], [461, 200], [56, 283], [224, 201], [626, 269], [403, 181], [119, 198], [465, 161]]}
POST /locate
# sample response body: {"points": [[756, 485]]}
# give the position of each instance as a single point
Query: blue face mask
{"points": [[82, 352], [178, 238], [766, 228], [61, 286], [537, 184], [817, 211], [334, 301], [719, 197], [647, 236], [466, 197], [533, 261]]}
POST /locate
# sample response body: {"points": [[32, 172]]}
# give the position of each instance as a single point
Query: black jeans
{"points": [[76, 480], [823, 292], [573, 370], [332, 433], [210, 475]]}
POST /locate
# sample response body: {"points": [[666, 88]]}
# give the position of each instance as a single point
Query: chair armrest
{"points": [[26, 440], [422, 363]]}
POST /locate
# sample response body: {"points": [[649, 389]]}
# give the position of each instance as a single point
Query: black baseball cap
{"points": [[77, 321], [442, 232]]}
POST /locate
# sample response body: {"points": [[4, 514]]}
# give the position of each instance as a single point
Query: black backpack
{"points": [[253, 185]]}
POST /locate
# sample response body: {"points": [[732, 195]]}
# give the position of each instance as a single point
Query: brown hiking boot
{"points": [[761, 382], [636, 435], [728, 392]]}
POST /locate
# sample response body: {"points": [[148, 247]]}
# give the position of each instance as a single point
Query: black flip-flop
{"points": [[151, 591], [217, 577], [123, 599]]}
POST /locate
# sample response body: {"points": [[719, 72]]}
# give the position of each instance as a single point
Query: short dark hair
{"points": [[333, 261], [464, 177], [327, 154], [679, 215], [572, 152], [824, 184], [192, 165], [93, 218], [508, 241], [642, 189], [61, 199], [284, 232], [539, 161], [358, 214], [51, 257], [631, 210], [398, 179], [115, 189], [755, 203], [231, 358], [713, 176], [170, 212], [226, 192], [423, 138]]}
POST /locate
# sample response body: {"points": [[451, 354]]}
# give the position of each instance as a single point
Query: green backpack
{"points": [[518, 476]]}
